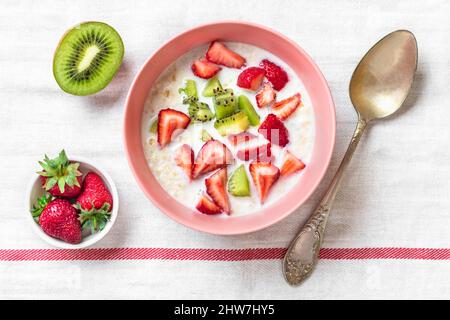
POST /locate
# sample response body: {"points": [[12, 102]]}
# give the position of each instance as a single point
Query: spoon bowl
{"points": [[384, 76]]}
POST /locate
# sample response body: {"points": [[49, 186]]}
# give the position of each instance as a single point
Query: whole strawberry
{"points": [[94, 202], [60, 177], [94, 193], [59, 219]]}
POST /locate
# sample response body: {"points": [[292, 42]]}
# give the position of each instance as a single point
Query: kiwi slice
{"points": [[224, 103], [246, 106], [238, 185], [190, 91], [212, 86], [221, 91], [199, 111], [224, 94], [223, 111], [206, 136], [233, 124], [87, 58], [154, 126]]}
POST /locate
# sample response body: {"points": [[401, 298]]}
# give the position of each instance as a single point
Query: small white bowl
{"points": [[35, 190]]}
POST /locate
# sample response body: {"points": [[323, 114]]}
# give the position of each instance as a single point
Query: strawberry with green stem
{"points": [[94, 202], [58, 219], [60, 177]]}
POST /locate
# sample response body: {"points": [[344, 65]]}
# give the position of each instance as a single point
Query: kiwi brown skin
{"points": [[60, 43]]}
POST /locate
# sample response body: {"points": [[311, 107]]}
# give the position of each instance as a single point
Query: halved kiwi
{"points": [[87, 58]]}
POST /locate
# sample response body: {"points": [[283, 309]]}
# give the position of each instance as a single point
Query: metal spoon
{"points": [[379, 86]]}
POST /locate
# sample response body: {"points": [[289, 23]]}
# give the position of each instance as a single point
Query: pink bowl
{"points": [[291, 54]]}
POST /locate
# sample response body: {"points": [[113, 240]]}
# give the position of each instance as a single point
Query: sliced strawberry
{"points": [[261, 153], [266, 95], [239, 138], [216, 189], [213, 155], [202, 68], [275, 74], [170, 120], [264, 176], [291, 164], [207, 206], [220, 54], [274, 130], [251, 78], [286, 107], [184, 158]]}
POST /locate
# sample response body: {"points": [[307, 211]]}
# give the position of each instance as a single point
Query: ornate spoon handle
{"points": [[303, 253]]}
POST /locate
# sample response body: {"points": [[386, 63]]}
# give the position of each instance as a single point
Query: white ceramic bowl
{"points": [[35, 190]]}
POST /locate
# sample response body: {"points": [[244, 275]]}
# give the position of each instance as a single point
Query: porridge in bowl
{"points": [[228, 129]]}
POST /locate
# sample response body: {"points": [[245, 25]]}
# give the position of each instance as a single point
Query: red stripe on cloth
{"points": [[142, 254], [385, 253], [217, 254]]}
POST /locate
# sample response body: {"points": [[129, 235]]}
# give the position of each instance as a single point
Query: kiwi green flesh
{"points": [[233, 124], [87, 58], [200, 112], [225, 105], [204, 115], [238, 185], [190, 90], [225, 97], [194, 106], [206, 136], [223, 111], [225, 102], [154, 126], [246, 106], [212, 86], [222, 91]]}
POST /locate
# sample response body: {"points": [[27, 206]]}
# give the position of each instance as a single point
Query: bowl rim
{"points": [[98, 236], [247, 228]]}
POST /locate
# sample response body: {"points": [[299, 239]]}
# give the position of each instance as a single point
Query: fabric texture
{"points": [[396, 193]]}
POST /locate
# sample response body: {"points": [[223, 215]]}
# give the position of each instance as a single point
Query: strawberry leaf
{"points": [[50, 183], [40, 205], [94, 219], [59, 171], [61, 184]]}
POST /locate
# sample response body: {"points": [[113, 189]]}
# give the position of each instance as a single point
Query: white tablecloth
{"points": [[396, 193]]}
